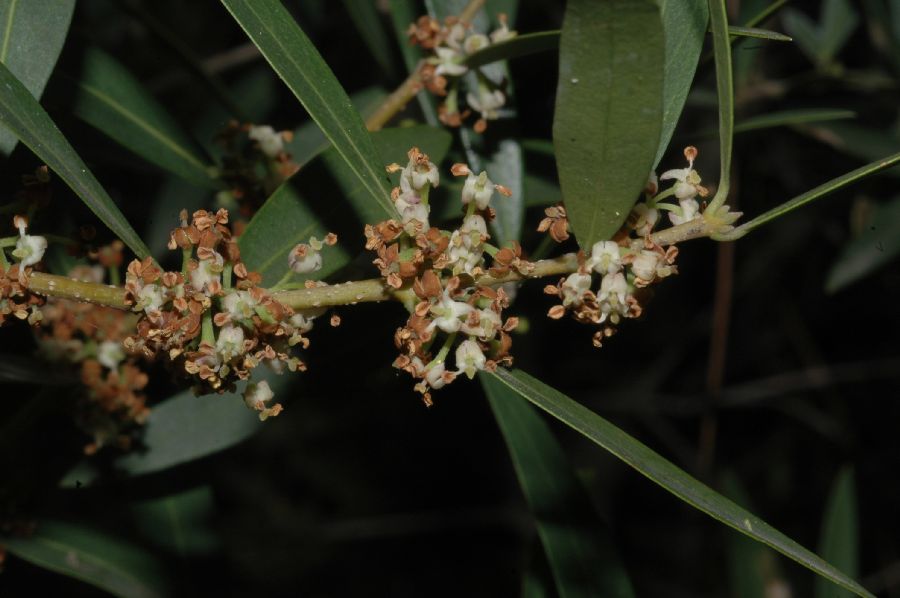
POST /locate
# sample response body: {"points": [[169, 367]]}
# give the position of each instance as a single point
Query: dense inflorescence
{"points": [[443, 73], [441, 268], [631, 261], [212, 318], [90, 337]]}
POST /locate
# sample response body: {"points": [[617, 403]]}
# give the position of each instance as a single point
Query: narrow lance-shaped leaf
{"points": [[22, 115], [32, 34], [813, 194], [608, 118], [114, 101], [91, 556], [578, 546], [684, 25], [667, 475], [725, 91], [293, 56]]}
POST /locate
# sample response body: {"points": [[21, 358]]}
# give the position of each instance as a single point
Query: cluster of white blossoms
{"points": [[453, 43], [440, 267]]}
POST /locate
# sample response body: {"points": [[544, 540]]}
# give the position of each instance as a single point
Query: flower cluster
{"points": [[623, 269], [213, 318], [442, 268], [255, 163], [90, 337], [631, 261], [452, 43], [15, 298]]}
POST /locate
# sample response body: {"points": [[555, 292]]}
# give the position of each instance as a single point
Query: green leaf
{"points": [[804, 32], [32, 33], [756, 33], [718, 18], [505, 166], [813, 194], [517, 47], [540, 191], [783, 118], [309, 142], [93, 557], [608, 117], [179, 523], [22, 115], [271, 27], [751, 565], [184, 428], [666, 474], [578, 546], [114, 101], [684, 25], [367, 21], [877, 246], [840, 533], [287, 218], [283, 221]]}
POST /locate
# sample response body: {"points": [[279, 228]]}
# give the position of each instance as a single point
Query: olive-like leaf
{"points": [[367, 21], [684, 25], [666, 474], [578, 545], [94, 557], [290, 52], [179, 523], [609, 110], [516, 47], [32, 35], [21, 114], [113, 100]]}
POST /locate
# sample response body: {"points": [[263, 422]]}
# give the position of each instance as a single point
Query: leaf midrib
{"points": [[7, 34], [143, 124]]}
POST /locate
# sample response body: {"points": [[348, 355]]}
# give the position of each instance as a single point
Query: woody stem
{"points": [[359, 291], [401, 96]]}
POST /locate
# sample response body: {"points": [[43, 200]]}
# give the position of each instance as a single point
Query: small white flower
{"points": [[690, 210], [502, 33], [239, 304], [110, 354], [464, 254], [151, 298], [475, 42], [257, 394], [305, 258], [302, 321], [469, 358], [473, 231], [449, 62], [207, 271], [414, 216], [435, 376], [450, 314], [612, 297], [29, 248], [269, 140], [486, 102], [645, 219], [574, 288], [456, 36], [605, 257], [488, 325], [687, 184], [230, 342], [644, 265], [479, 189]]}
